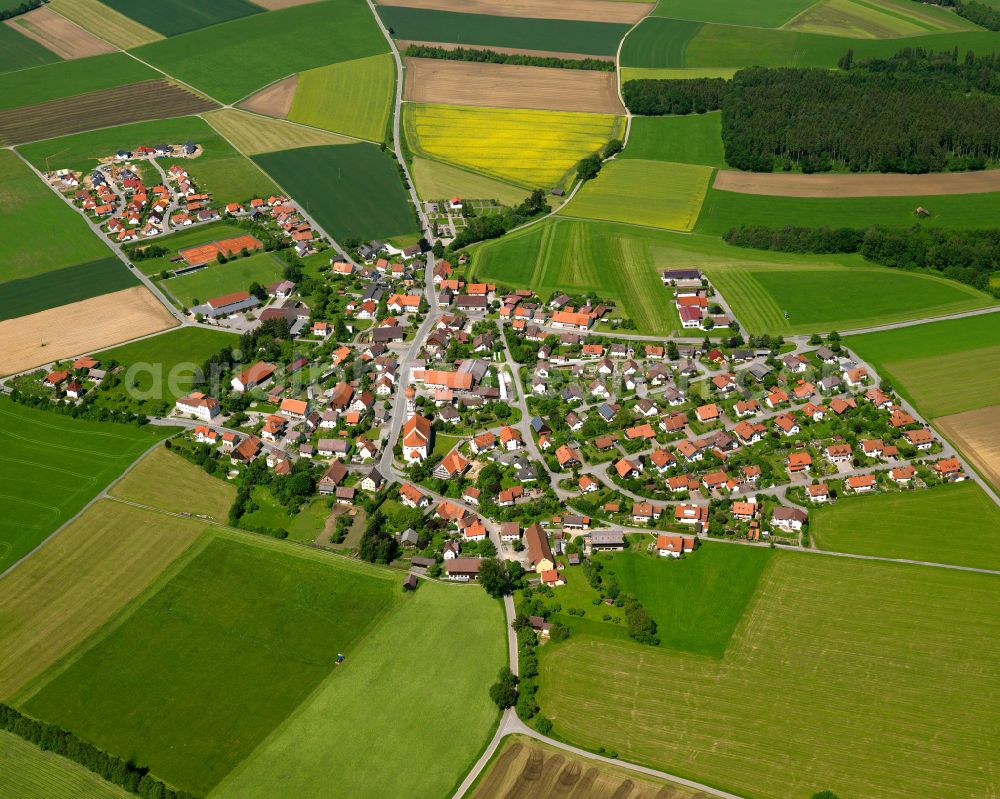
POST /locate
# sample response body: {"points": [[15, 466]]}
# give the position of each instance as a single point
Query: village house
{"points": [[198, 405]]}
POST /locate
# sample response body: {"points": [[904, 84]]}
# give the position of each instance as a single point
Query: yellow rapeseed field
{"points": [[536, 149]]}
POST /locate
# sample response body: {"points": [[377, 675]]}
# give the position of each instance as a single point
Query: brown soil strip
{"points": [[977, 436], [58, 34], [277, 5], [402, 44], [151, 99], [274, 100], [590, 10], [430, 80], [787, 184], [80, 327]]}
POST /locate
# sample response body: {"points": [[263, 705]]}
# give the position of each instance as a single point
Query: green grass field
{"points": [[560, 35], [692, 139], [770, 14], [19, 52], [955, 524], [221, 170], [427, 739], [352, 97], [941, 367], [278, 43], [27, 772], [68, 78], [697, 601], [171, 17], [218, 279], [169, 481], [57, 465], [436, 180], [653, 193], [350, 189], [829, 673], [224, 650], [724, 210], [28, 208], [658, 42], [63, 286], [78, 580]]}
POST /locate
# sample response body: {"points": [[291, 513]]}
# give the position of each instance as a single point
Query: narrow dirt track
{"points": [[787, 184]]}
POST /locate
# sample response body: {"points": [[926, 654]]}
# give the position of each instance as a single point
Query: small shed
{"points": [[410, 583]]}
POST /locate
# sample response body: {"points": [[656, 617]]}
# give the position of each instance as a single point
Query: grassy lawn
{"points": [[443, 443], [218, 279], [59, 464], [653, 193], [223, 651], [942, 367], [697, 601], [426, 738], [829, 671], [436, 180], [350, 189], [27, 772], [28, 208], [352, 97], [166, 480], [269, 513], [171, 17], [309, 522], [67, 590], [534, 149], [772, 14], [69, 78], [955, 524], [691, 139]]}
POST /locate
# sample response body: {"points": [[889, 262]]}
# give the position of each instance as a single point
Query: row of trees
{"points": [[658, 97], [977, 13], [968, 256], [124, 773], [493, 57], [24, 8], [85, 410]]}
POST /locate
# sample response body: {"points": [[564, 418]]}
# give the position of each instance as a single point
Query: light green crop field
{"points": [[876, 19], [436, 180], [352, 97], [224, 650], [57, 465], [534, 149], [673, 73], [27, 772], [724, 210], [28, 211], [220, 170], [76, 582], [653, 193], [955, 524], [440, 635], [68, 78], [691, 139], [831, 672], [696, 601], [218, 279], [19, 52], [168, 481], [941, 367], [769, 14], [279, 43]]}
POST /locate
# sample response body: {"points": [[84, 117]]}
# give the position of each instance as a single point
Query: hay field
{"points": [[169, 481], [977, 435], [692, 139], [224, 648], [769, 14], [78, 581], [27, 772], [653, 193], [439, 635], [105, 22], [591, 10], [436, 180], [80, 327], [524, 766], [842, 675], [955, 524], [846, 184], [868, 20], [430, 80], [252, 135], [535, 149], [274, 100], [64, 38], [353, 97]]}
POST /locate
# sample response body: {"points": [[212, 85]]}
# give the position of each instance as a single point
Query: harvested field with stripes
{"points": [[590, 10], [977, 434], [105, 22], [27, 772], [847, 184], [64, 38], [252, 135], [274, 100], [430, 80], [152, 99]]}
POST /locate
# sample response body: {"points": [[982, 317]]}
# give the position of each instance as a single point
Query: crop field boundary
{"points": [[851, 184]]}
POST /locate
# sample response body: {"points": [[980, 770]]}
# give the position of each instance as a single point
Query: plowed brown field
{"points": [[430, 80], [856, 184], [274, 100], [977, 436], [64, 38], [591, 10]]}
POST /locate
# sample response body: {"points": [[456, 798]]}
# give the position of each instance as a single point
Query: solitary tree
{"points": [[504, 691]]}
